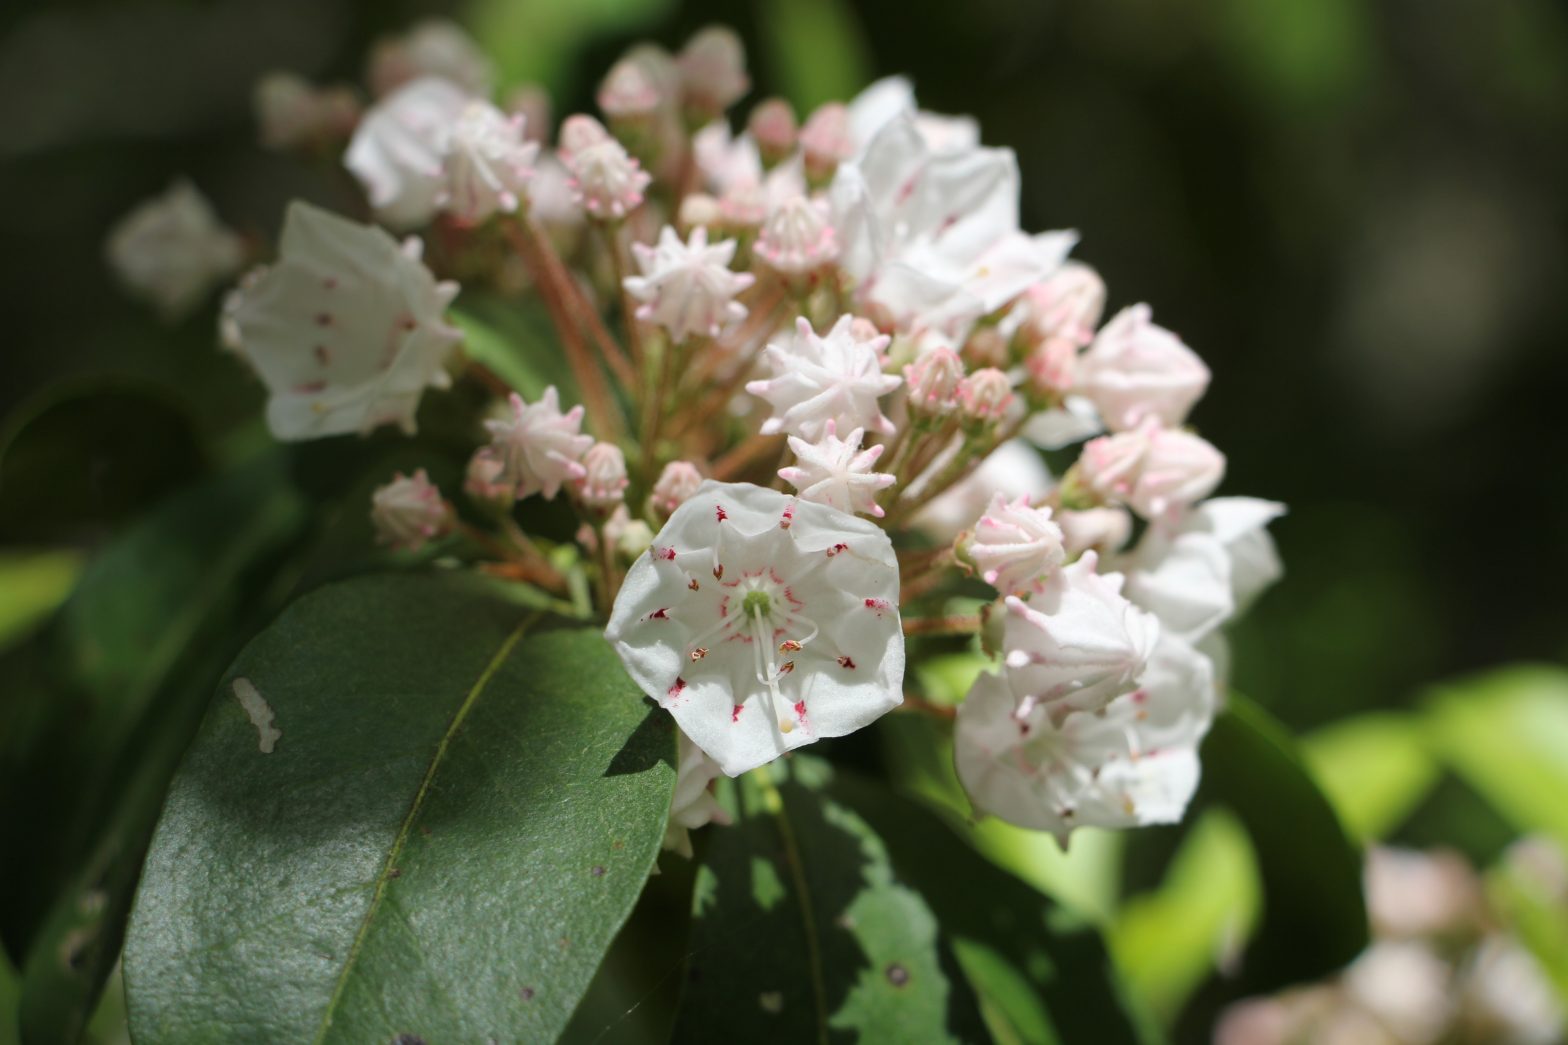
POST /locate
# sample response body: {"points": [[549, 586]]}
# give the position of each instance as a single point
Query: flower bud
{"points": [[773, 127], [1066, 304], [532, 103], [1136, 370], [603, 482], [1102, 530], [826, 140], [628, 92], [409, 511], [677, 482], [700, 210], [796, 238], [485, 480], [1153, 471], [435, 47], [984, 396], [627, 536], [291, 113], [713, 73], [933, 381], [606, 179], [1014, 548], [987, 346], [1052, 366]]}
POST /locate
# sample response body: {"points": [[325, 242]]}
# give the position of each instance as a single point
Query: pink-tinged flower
{"points": [[1077, 644], [837, 377], [435, 47], [692, 805], [602, 484], [1411, 893], [630, 91], [607, 180], [1134, 764], [293, 113], [985, 395], [772, 126], [538, 448], [487, 163], [1153, 470], [796, 237], [677, 483], [933, 381], [688, 287], [763, 623], [397, 150], [837, 472], [1103, 530], [346, 328], [485, 478], [1065, 306], [1014, 547], [409, 511], [891, 97], [713, 71], [172, 250], [826, 141], [1136, 370], [1404, 984]]}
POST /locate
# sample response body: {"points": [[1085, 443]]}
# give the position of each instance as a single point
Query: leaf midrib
{"points": [[797, 871], [406, 827]]}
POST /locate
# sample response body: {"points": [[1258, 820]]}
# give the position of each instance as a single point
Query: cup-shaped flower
{"points": [[692, 805], [837, 472], [1155, 471], [397, 150], [488, 163], [346, 328], [687, 287], [538, 448], [1014, 547], [1136, 370], [816, 379], [763, 623], [1132, 765], [172, 249], [1077, 644], [409, 511]]}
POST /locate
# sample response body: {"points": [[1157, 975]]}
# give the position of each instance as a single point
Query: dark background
{"points": [[1353, 211]]}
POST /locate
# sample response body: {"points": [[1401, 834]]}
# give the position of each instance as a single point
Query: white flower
{"points": [[539, 448], [1153, 470], [713, 70], [837, 472], [834, 378], [1506, 996], [932, 237], [1412, 893], [688, 288], [1137, 370], [487, 163], [409, 511], [883, 101], [1104, 530], [397, 150], [1199, 572], [346, 328], [933, 380], [552, 201], [796, 237], [1406, 986], [603, 482], [676, 483], [171, 250], [607, 180], [1015, 547], [692, 805], [292, 113], [434, 47], [763, 623], [1133, 765], [1077, 644]]}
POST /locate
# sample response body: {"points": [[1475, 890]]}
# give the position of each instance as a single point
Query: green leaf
{"points": [[457, 810], [32, 586], [515, 343], [1375, 768], [1314, 916], [804, 932], [1506, 734]]}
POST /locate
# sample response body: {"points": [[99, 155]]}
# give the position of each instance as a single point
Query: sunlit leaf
{"points": [[1375, 768]]}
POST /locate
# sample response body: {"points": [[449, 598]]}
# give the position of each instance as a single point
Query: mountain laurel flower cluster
{"points": [[799, 371]]}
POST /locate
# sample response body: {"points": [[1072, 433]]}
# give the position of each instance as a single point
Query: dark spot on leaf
{"points": [[424, 830], [527, 994], [897, 975], [598, 871], [617, 844], [565, 942], [408, 1039], [396, 872]]}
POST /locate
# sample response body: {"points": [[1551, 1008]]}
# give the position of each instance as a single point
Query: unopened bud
{"points": [[677, 482], [984, 395], [409, 511], [606, 179], [532, 103], [700, 210], [797, 238], [933, 382], [628, 92], [773, 126], [987, 346], [603, 483], [826, 141], [713, 73]]}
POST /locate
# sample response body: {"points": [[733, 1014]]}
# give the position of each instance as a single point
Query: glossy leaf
{"points": [[456, 811], [1375, 768]]}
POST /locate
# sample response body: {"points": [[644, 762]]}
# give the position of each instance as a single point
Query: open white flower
{"points": [[539, 448], [1015, 547], [692, 805], [1077, 644], [837, 472], [409, 511], [397, 150], [763, 623], [837, 377], [688, 288], [1136, 369], [487, 162], [172, 249], [346, 328], [1134, 764]]}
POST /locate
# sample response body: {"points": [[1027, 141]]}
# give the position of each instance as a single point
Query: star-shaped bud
{"points": [[488, 163], [763, 623], [837, 472], [409, 511], [933, 381], [172, 249], [1014, 547], [817, 379], [537, 449], [678, 481], [1155, 471], [688, 288], [346, 328], [692, 805], [397, 150], [796, 237], [1077, 644], [606, 179]]}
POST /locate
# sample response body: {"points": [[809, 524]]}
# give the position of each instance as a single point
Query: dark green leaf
{"points": [[515, 343], [458, 813]]}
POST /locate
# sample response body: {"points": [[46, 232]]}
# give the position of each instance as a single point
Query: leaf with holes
{"points": [[413, 809]]}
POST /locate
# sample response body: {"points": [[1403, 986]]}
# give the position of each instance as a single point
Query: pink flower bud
{"points": [[1052, 367], [700, 209], [713, 72], [772, 125], [985, 395], [603, 482], [1066, 304], [1014, 547], [1152, 470], [826, 141], [933, 382], [987, 346], [628, 92], [606, 179], [1137, 370], [677, 482], [485, 479], [796, 238], [409, 511]]}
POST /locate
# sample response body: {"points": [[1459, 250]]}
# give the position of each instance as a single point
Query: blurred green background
{"points": [[1354, 211]]}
